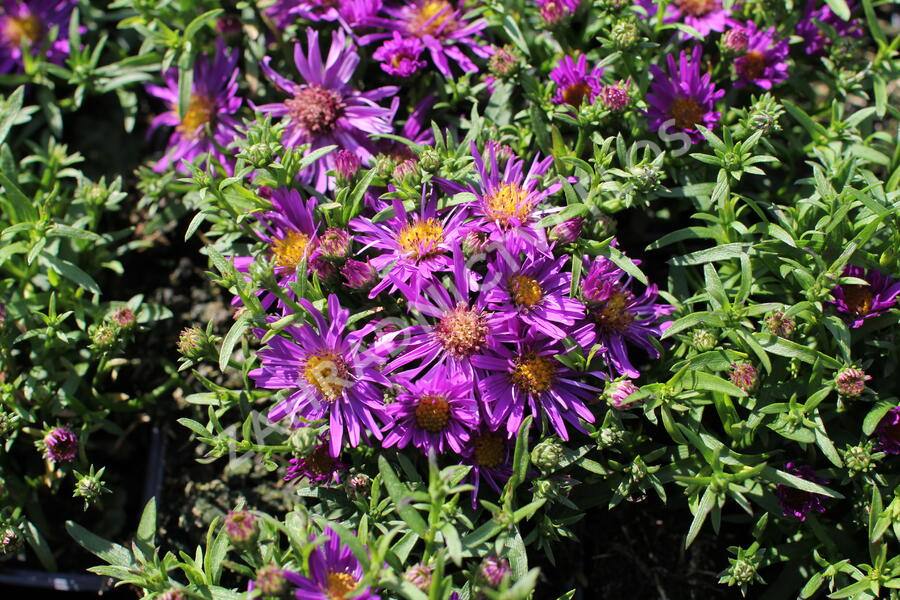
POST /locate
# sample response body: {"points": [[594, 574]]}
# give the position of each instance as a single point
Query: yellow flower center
{"points": [[858, 299], [200, 111], [687, 112], [461, 331], [508, 204], [752, 65], [433, 413], [328, 373], [575, 94], [27, 28], [431, 16], [290, 250], [338, 585], [525, 290], [697, 8], [489, 450], [533, 373], [421, 239], [613, 315]]}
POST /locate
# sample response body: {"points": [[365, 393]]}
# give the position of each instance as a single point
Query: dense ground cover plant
{"points": [[497, 268]]}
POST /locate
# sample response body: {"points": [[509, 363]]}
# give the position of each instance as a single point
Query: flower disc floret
{"points": [[433, 413], [462, 331]]}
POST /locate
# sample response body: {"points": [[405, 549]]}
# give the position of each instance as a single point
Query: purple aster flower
{"points": [[436, 412], [616, 315], [489, 454], [888, 431], [60, 445], [334, 573], [319, 468], [29, 22], [764, 62], [291, 232], [814, 39], [574, 83], [208, 125], [326, 110], [507, 201], [332, 373], [462, 329], [441, 27], [349, 13], [529, 377], [684, 98], [413, 246], [799, 503], [400, 56], [857, 302], [554, 11], [703, 15], [533, 295]]}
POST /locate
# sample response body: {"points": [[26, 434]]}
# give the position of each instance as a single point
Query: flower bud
{"points": [[744, 376], [851, 381], [240, 527], [493, 571], [625, 34], [475, 243], [171, 594], [358, 275], [430, 160], [384, 165], [407, 168], [742, 571], [347, 165], [2, 315], [547, 455], [103, 337], [703, 340], [617, 393], [191, 342], [779, 324], [504, 62], [358, 485], [303, 440], [735, 40], [89, 486], [859, 458], [270, 581], [420, 576], [335, 244], [10, 540], [567, 232], [124, 318], [616, 97], [60, 445]]}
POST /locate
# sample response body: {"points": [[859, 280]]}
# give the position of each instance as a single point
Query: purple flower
{"points": [[488, 452], [567, 232], [326, 110], [462, 329], [617, 96], [764, 62], [888, 431], [440, 26], [346, 164], [290, 231], [349, 13], [533, 295], [857, 302], [703, 15], [684, 99], [554, 11], [29, 22], [574, 83], [413, 246], [799, 503], [529, 377], [208, 124], [815, 40], [617, 316], [60, 445], [334, 573], [507, 201], [493, 571], [359, 275], [332, 373], [400, 56], [436, 412], [319, 468]]}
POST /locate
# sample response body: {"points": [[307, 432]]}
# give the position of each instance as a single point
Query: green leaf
{"points": [[453, 543], [718, 253], [777, 476], [9, 110], [231, 339], [783, 347], [40, 546], [840, 8], [402, 498], [698, 380], [70, 271], [194, 26], [112, 553], [16, 203], [706, 504], [146, 531], [873, 418]]}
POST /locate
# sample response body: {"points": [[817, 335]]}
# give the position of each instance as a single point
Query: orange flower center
{"points": [[430, 17], [697, 8], [290, 250], [687, 112], [328, 373], [27, 28], [200, 111], [461, 331], [534, 374], [613, 315], [316, 109], [338, 585], [507, 204], [575, 94], [421, 239], [433, 413], [490, 450], [525, 290], [752, 65], [858, 299]]}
